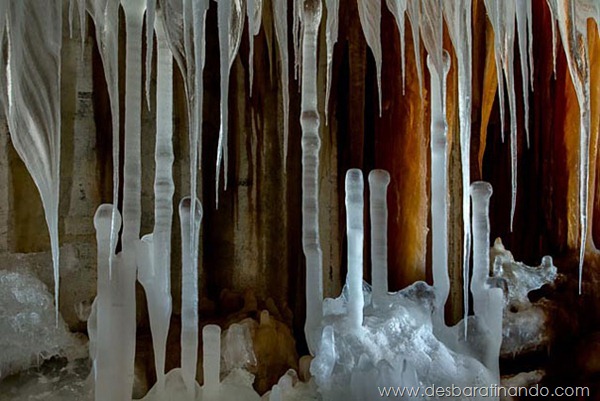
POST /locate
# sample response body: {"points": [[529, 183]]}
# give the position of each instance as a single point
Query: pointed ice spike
{"points": [[33, 73], [439, 185], [231, 25], [211, 349], [369, 13], [254, 12], [281, 32], [414, 15], [524, 51], [355, 233], [311, 143], [150, 16], [331, 36], [398, 9], [553, 14], [190, 231], [378, 184]]}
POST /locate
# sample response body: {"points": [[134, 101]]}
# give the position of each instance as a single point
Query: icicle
{"points": [[523, 23], [33, 104], [254, 12], [331, 36], [553, 15], [378, 184], [150, 16], [281, 32], [71, 12], [355, 234], [231, 25], [297, 36], [105, 14], [530, 42], [398, 9], [414, 15], [369, 13], [190, 224], [311, 143], [458, 19], [573, 32]]}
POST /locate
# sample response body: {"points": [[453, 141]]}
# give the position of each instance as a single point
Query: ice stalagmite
{"points": [[190, 231], [311, 143], [355, 232], [254, 12], [32, 103], [458, 19], [331, 36], [398, 9], [378, 184], [281, 32], [211, 349], [487, 302], [369, 13], [105, 14], [155, 267], [438, 63], [231, 26], [573, 32]]}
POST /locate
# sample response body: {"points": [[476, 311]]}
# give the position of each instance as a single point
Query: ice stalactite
{"points": [[458, 15], [105, 14], [369, 13], [355, 233], [553, 11], [378, 184], [331, 36], [150, 17], [413, 11], [190, 231], [572, 24], [281, 33], [231, 26], [523, 13], [32, 104], [154, 257], [398, 9], [502, 15], [297, 36], [254, 12], [438, 63], [487, 302], [311, 144]]}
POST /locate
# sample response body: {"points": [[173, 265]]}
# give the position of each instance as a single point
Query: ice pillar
{"points": [[378, 184], [355, 231], [211, 350]]}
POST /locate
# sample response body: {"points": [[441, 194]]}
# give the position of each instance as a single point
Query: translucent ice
{"points": [[311, 143], [331, 35], [398, 9], [369, 13], [281, 32], [254, 12], [378, 183], [33, 103], [355, 233]]}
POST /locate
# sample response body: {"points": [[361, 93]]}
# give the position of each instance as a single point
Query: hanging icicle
{"points": [[254, 12], [331, 36], [369, 13], [281, 32]]}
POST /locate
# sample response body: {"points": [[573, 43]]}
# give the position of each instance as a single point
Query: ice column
{"points": [[32, 103], [189, 291], [231, 26], [211, 349], [281, 32], [355, 232], [311, 143], [458, 19], [487, 302], [369, 13], [331, 35], [378, 184]]}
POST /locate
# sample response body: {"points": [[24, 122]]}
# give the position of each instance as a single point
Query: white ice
{"points": [[254, 13], [378, 184], [281, 33], [398, 9], [355, 234], [331, 36], [369, 13]]}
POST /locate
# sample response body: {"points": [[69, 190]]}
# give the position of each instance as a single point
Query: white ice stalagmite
{"points": [[190, 231], [523, 14], [311, 143], [331, 36], [211, 350], [254, 12], [32, 103], [398, 10], [369, 13], [231, 26], [413, 11], [438, 63], [572, 24], [150, 17], [378, 184], [487, 302], [458, 15], [355, 233], [155, 267], [281, 33]]}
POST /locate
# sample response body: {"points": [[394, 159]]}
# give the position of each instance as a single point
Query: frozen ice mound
{"points": [[29, 333]]}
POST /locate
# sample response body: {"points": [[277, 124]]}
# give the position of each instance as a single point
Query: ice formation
{"points": [[311, 143], [31, 98], [378, 183], [254, 12], [331, 35], [369, 13], [281, 32]]}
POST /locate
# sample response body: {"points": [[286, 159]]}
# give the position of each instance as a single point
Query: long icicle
{"points": [[281, 32], [331, 36]]}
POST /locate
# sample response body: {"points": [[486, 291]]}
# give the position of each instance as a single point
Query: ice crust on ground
{"points": [[28, 332]]}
